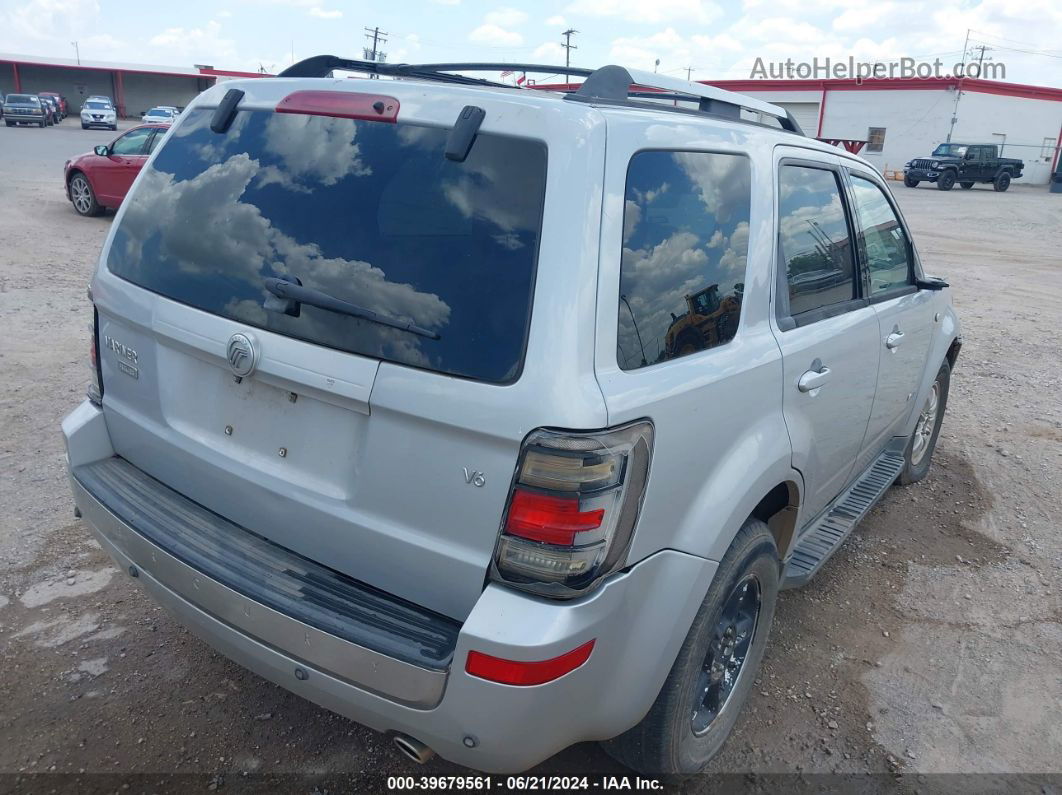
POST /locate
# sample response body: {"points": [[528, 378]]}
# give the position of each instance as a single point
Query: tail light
{"points": [[572, 508], [95, 387]]}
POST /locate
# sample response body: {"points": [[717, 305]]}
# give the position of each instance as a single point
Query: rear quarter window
{"points": [[685, 244], [367, 212]]}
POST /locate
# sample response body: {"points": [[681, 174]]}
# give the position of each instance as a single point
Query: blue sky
{"points": [[717, 38]]}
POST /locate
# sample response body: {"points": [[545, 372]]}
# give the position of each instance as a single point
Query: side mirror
{"points": [[931, 283], [102, 150]]}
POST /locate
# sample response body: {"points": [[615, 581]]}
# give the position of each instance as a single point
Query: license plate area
{"points": [[278, 431]]}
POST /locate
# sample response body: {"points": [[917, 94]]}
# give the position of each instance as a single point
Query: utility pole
{"points": [[77, 52], [568, 47], [981, 58], [958, 88], [374, 53], [689, 71]]}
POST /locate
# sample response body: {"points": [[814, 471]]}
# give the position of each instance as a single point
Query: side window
{"points": [[884, 241], [815, 247], [154, 141], [132, 143], [875, 139], [685, 242]]}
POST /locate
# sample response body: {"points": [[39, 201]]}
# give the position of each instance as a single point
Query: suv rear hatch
{"points": [[383, 450]]}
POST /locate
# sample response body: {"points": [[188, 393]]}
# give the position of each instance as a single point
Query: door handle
{"points": [[894, 340], [813, 379]]}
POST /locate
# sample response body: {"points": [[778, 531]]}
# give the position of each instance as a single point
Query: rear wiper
{"points": [[295, 294]]}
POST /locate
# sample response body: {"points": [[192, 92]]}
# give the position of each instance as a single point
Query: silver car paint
{"points": [[728, 430], [375, 453]]}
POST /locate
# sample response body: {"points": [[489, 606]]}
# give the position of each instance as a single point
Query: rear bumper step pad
{"points": [[296, 591]]}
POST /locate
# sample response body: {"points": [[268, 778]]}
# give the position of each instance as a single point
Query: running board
{"points": [[818, 543]]}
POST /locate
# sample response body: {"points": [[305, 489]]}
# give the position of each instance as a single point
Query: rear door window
{"points": [[370, 213], [814, 241], [685, 243]]}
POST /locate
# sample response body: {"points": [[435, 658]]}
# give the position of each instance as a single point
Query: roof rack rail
{"points": [[610, 84]]}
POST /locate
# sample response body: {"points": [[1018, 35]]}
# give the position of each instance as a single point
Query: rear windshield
{"points": [[25, 99], [368, 212]]}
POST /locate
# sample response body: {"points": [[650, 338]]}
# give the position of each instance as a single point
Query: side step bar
{"points": [[821, 540]]}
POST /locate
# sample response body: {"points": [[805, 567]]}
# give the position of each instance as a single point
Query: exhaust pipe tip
{"points": [[413, 748]]}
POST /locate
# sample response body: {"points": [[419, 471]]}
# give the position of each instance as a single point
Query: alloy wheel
{"points": [[927, 422], [81, 194], [729, 647]]}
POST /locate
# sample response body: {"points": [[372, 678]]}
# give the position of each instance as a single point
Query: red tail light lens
{"points": [[554, 520], [572, 508], [342, 105], [514, 672]]}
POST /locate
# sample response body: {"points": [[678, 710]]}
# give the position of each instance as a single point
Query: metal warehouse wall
{"points": [[916, 121], [74, 84], [143, 92]]}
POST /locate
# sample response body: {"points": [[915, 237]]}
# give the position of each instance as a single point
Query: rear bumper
{"points": [[638, 621]]}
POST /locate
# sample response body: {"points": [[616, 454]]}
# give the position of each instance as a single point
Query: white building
{"points": [[906, 118]]}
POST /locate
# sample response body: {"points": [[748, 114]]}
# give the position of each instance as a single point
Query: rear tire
{"points": [[911, 182], [946, 181], [923, 441], [966, 185], [1002, 181], [666, 741]]}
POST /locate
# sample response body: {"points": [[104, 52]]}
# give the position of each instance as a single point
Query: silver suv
{"points": [[413, 396]]}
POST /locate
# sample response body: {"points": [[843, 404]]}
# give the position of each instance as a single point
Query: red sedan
{"points": [[101, 178]]}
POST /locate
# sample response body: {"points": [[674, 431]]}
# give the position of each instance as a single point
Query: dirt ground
{"points": [[931, 643]]}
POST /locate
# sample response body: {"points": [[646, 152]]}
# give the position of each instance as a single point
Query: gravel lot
{"points": [[931, 643]]}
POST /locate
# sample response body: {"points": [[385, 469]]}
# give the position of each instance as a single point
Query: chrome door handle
{"points": [[813, 379], [894, 340]]}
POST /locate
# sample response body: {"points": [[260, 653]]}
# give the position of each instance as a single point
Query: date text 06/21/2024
{"points": [[523, 783]]}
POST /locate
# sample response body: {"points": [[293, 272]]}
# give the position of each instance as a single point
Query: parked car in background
{"points": [[24, 109], [98, 112], [965, 164], [100, 179], [174, 108], [159, 116], [384, 407], [51, 108], [60, 101]]}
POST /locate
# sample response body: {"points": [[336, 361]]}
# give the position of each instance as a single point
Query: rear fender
{"points": [[739, 480]]}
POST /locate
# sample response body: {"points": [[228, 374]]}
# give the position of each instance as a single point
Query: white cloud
{"points": [[223, 14], [195, 43], [698, 11], [549, 50], [557, 21], [506, 17], [322, 13], [495, 36], [863, 16]]}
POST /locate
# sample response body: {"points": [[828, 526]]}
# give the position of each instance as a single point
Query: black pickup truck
{"points": [[965, 164]]}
